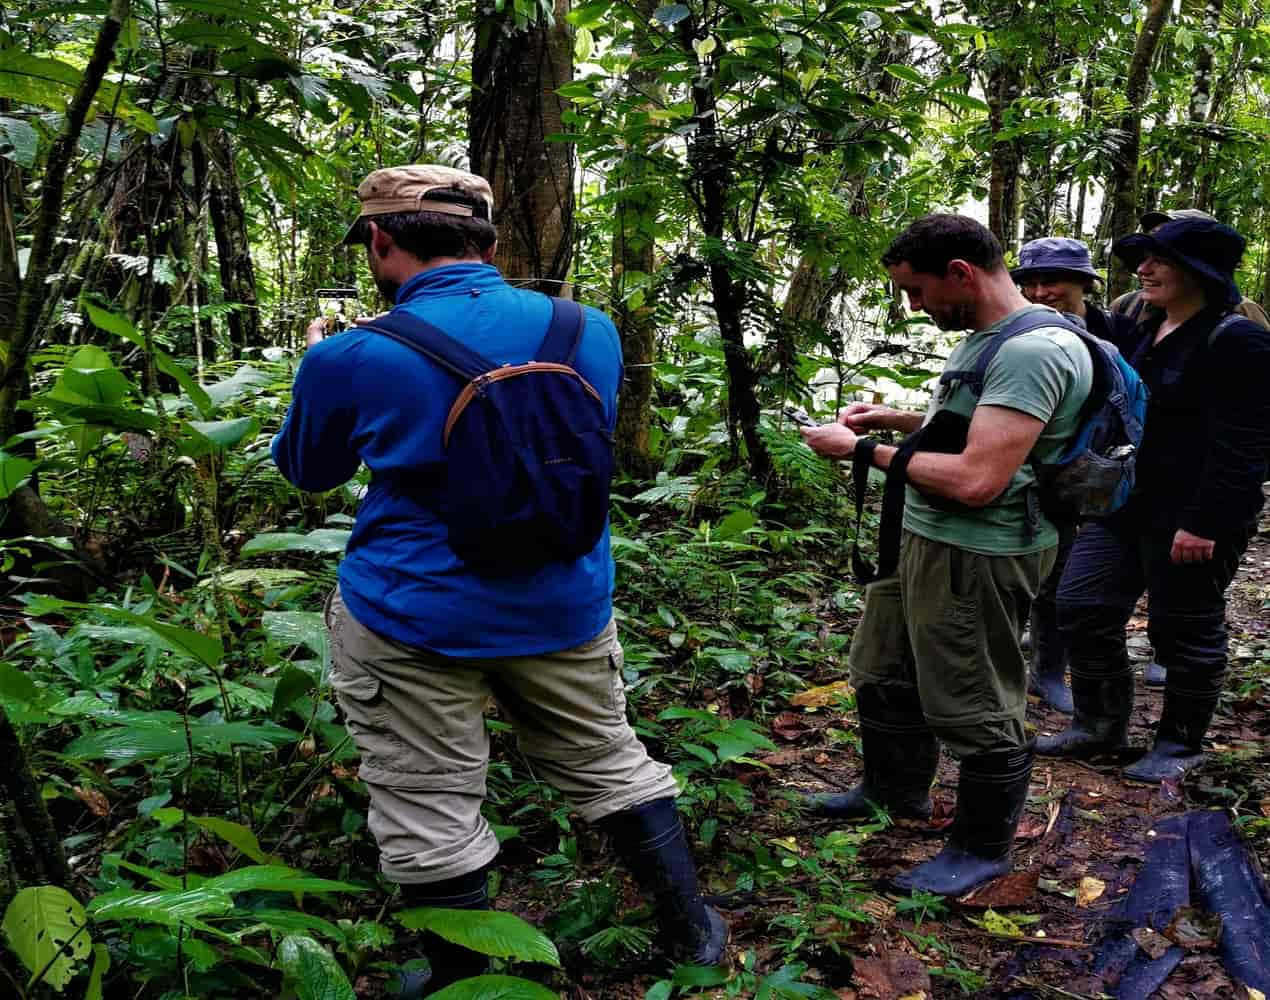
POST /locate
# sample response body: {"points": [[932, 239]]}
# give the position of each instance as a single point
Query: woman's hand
{"points": [[1188, 548]]}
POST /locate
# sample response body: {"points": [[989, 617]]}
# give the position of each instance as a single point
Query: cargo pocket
{"points": [[617, 685], [360, 697]]}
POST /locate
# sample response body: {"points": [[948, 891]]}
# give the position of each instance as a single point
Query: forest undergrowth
{"points": [[192, 757]]}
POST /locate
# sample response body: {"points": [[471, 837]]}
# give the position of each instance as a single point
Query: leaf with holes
{"points": [[45, 928], [503, 935]]}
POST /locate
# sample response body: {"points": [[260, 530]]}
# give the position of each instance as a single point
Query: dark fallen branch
{"points": [[1228, 883], [1162, 887]]}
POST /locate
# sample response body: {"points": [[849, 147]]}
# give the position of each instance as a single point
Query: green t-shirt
{"points": [[1045, 373]]}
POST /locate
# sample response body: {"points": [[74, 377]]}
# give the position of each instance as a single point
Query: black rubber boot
{"points": [[901, 755], [448, 962], [991, 794], [651, 842], [1049, 658], [1154, 675], [1100, 723], [1190, 699]]}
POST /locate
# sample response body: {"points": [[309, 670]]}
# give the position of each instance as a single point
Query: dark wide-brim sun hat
{"points": [[1209, 248], [1054, 255]]}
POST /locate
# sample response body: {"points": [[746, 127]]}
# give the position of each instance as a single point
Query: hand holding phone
{"points": [[800, 417]]}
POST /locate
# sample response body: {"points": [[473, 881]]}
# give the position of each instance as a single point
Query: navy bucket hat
{"points": [[1052, 254], [1207, 247]]}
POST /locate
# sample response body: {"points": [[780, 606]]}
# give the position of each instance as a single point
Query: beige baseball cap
{"points": [[423, 188]]}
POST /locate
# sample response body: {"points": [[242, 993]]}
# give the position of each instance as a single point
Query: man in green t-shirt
{"points": [[936, 655]]}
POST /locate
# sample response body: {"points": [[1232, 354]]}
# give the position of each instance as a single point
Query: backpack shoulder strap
{"points": [[1029, 321], [564, 332], [1226, 322], [433, 343]]}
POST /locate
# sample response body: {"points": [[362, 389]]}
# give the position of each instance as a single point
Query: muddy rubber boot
{"points": [[1046, 676], [651, 842], [1100, 723], [991, 795], [901, 755], [447, 962], [1154, 675], [1190, 699]]}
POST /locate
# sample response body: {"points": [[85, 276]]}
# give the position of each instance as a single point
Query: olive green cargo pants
{"points": [[948, 623], [418, 720]]}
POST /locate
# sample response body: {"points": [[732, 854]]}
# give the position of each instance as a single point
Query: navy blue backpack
{"points": [[528, 450]]}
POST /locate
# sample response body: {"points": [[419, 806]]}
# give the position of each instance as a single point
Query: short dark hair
{"points": [[430, 234], [933, 241]]}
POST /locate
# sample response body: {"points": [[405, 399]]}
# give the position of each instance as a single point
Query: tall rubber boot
{"points": [[991, 795], [651, 842], [448, 962], [1100, 723], [901, 755], [1190, 699], [1049, 658]]}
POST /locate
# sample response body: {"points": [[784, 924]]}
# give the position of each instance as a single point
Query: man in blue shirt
{"points": [[420, 640]]}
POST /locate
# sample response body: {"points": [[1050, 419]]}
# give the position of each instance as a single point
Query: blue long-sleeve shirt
{"points": [[362, 397]]}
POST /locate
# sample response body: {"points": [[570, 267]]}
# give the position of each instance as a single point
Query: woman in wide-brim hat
{"points": [[1195, 503]]}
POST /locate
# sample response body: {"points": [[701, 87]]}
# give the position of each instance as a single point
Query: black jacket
{"points": [[1207, 438]]}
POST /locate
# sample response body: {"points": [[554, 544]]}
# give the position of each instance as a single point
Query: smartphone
{"points": [[339, 305], [799, 416]]}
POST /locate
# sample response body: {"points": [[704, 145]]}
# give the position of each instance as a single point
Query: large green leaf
{"points": [[206, 649], [45, 928], [121, 326], [91, 374], [277, 878], [19, 142], [496, 988], [234, 834], [736, 523], [298, 628], [244, 381], [124, 744], [263, 576], [169, 906], [312, 971], [17, 686], [321, 540], [216, 435], [14, 472], [101, 965], [29, 79], [490, 932]]}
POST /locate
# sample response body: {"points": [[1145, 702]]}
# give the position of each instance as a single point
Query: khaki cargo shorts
{"points": [[418, 720]]}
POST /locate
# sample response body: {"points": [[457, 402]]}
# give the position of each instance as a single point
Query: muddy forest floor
{"points": [[1085, 826]]}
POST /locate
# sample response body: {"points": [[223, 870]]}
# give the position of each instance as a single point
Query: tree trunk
{"points": [[30, 849], [634, 260], [1200, 104], [233, 249], [1004, 86], [19, 335], [514, 107], [1123, 184]]}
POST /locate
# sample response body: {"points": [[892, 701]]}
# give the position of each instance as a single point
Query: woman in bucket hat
{"points": [[1057, 272], [1195, 504]]}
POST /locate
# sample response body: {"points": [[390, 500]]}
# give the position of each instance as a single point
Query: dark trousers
{"points": [[1112, 563]]}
